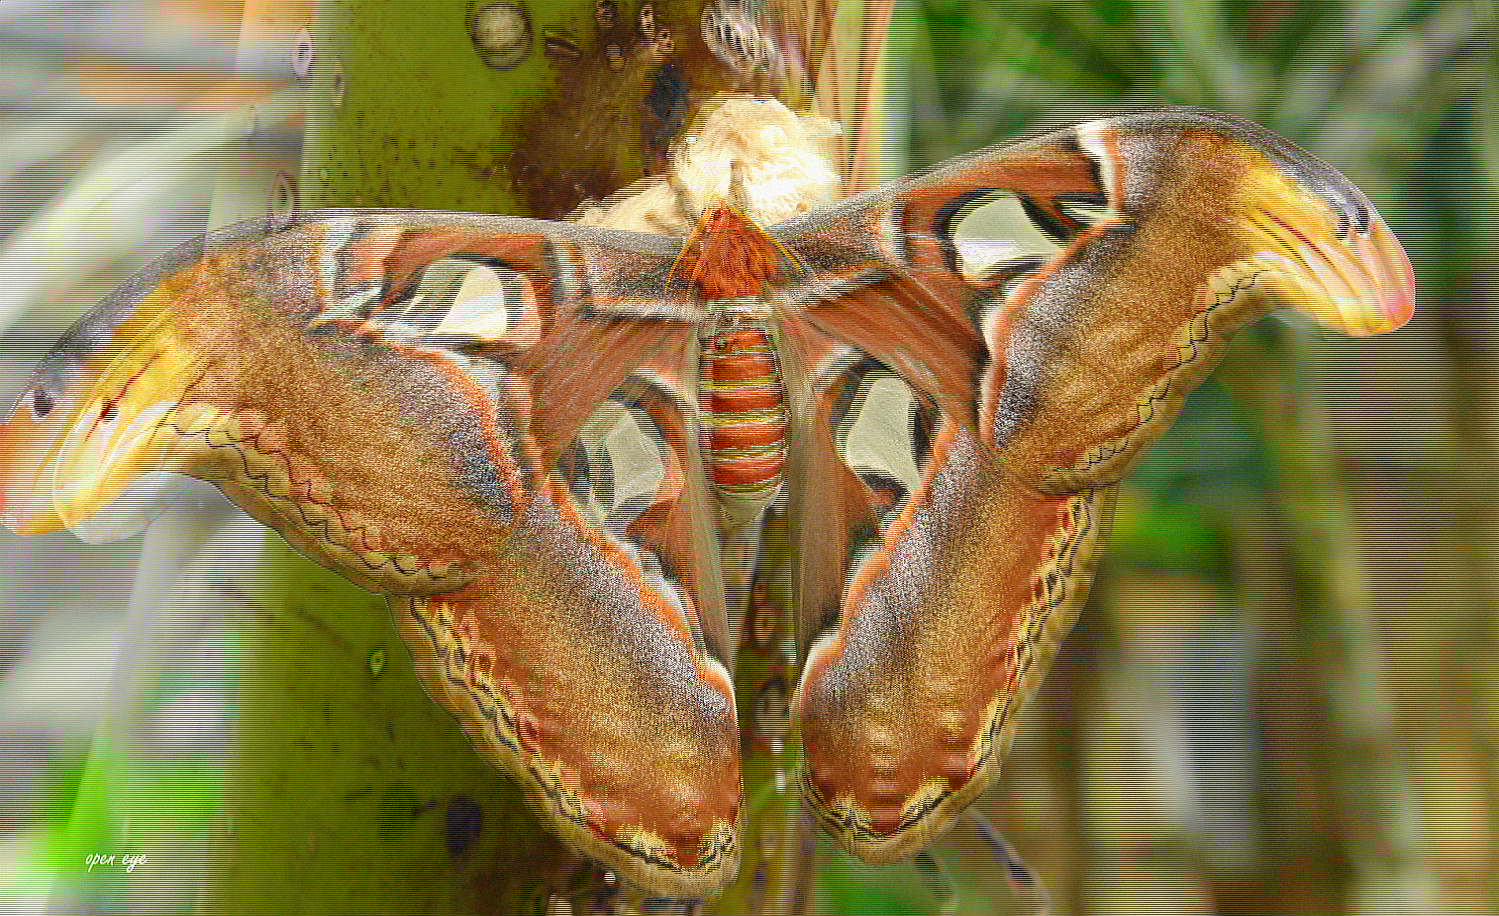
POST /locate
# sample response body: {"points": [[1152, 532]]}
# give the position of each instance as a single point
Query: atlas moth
{"points": [[555, 443]]}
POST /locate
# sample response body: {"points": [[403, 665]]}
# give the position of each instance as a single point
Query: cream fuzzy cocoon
{"points": [[784, 171]]}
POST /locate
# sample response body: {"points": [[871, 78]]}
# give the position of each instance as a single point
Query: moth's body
{"points": [[747, 417], [735, 267], [527, 428]]}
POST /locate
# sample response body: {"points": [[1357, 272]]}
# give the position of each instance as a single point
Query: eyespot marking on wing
{"points": [[632, 470], [996, 232], [878, 436], [479, 302]]}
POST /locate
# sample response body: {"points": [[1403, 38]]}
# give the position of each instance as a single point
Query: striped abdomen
{"points": [[748, 445]]}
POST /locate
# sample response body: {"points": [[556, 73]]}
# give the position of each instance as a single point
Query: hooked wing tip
{"points": [[1359, 278], [1399, 286], [1347, 272], [1320, 249], [115, 474]]}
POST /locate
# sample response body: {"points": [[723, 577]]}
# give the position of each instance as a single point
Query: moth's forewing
{"points": [[941, 561]]}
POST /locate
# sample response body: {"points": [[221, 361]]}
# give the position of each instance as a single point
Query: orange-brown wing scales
{"points": [[1037, 312], [956, 583], [559, 550], [1098, 346], [913, 328]]}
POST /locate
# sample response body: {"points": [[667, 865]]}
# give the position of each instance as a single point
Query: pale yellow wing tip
{"points": [[115, 476], [1357, 285], [1398, 279]]}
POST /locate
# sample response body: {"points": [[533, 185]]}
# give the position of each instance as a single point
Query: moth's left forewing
{"points": [[1038, 312]]}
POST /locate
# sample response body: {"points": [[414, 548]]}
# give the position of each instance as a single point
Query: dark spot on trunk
{"points": [[465, 821], [663, 90]]}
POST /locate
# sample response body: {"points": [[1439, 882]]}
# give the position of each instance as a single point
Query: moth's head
{"points": [[1325, 255]]}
